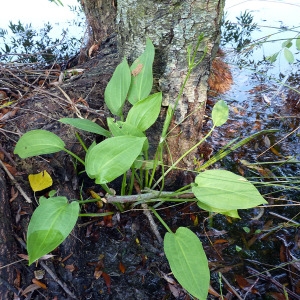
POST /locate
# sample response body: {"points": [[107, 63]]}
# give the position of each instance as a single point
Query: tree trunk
{"points": [[172, 26]]}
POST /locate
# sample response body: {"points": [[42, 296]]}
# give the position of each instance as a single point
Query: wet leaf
{"points": [[117, 89], [107, 281], [188, 261], [40, 181], [245, 284], [50, 224], [142, 78], [113, 157], [288, 55], [87, 125], [12, 170], [223, 191], [144, 113], [39, 283], [122, 267], [38, 142], [220, 113]]}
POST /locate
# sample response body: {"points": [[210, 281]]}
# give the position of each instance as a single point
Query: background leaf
{"points": [[142, 77], [38, 142], [50, 224], [288, 55], [144, 113], [220, 113], [87, 125], [273, 57], [112, 157], [225, 191], [40, 181], [116, 90], [188, 261]]}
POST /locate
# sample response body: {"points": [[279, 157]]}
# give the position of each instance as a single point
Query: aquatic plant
{"points": [[124, 152]]}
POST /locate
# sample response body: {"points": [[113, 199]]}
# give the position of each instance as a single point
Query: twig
{"points": [[284, 218], [49, 271], [232, 288], [147, 196], [15, 183], [8, 156], [275, 282], [152, 223], [55, 278]]}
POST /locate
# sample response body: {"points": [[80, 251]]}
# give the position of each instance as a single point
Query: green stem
{"points": [[81, 142], [123, 187], [96, 214], [74, 155], [108, 191], [160, 219], [182, 156], [171, 110], [131, 180]]}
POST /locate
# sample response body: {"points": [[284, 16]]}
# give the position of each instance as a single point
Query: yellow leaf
{"points": [[40, 181]]}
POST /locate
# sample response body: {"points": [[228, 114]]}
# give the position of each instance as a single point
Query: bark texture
{"points": [[172, 26], [100, 16]]}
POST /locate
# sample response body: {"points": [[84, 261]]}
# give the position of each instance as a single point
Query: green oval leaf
{"points": [[38, 142], [188, 261], [87, 125], [142, 77], [112, 157], [50, 224], [220, 113], [144, 113], [116, 90], [288, 55], [120, 128], [223, 191]]}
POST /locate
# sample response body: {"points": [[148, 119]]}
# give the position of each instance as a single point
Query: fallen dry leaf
{"points": [[39, 283], [30, 288], [122, 267]]}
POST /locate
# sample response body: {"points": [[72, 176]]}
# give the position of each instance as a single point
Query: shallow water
{"points": [[260, 97]]}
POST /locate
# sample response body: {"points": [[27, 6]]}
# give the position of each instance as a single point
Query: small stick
{"points": [[147, 196], [49, 271], [15, 183], [273, 281], [232, 288], [152, 223], [284, 218], [55, 278]]}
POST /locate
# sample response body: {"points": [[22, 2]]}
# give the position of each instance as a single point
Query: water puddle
{"points": [[263, 95]]}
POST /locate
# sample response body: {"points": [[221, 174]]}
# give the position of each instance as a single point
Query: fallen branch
{"points": [[148, 196]]}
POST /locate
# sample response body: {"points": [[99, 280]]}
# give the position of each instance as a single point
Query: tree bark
{"points": [[172, 26]]}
